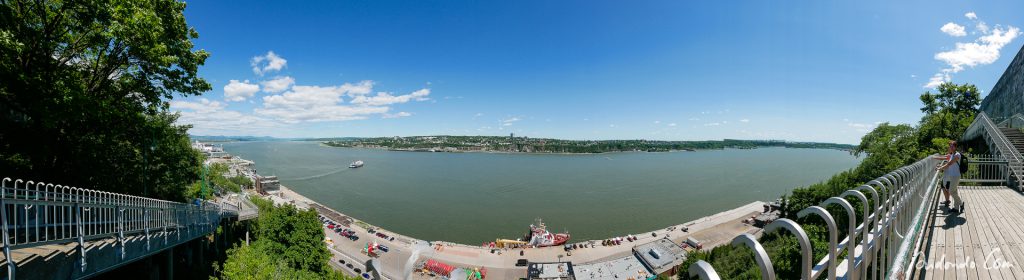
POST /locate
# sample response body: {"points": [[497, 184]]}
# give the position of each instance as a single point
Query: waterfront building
{"points": [[628, 267], [268, 184], [660, 256], [550, 271]]}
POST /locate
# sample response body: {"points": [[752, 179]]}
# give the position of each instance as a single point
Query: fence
{"points": [[892, 221], [38, 213], [982, 169]]}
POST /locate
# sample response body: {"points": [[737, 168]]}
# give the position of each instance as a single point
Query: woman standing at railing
{"points": [[951, 176]]}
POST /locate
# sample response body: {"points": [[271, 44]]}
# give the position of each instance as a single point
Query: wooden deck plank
{"points": [[985, 228], [990, 226], [1010, 215], [993, 224], [976, 248]]}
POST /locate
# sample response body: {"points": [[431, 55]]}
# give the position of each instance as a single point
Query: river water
{"points": [[476, 197]]}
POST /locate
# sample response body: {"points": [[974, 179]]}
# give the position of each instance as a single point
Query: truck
{"points": [[693, 242]]}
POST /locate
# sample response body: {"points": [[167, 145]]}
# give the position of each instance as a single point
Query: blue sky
{"points": [[669, 70]]}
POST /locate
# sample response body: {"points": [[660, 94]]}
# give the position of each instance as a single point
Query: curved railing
{"points": [[894, 207], [38, 213]]}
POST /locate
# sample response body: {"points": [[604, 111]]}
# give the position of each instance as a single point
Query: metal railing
{"points": [[878, 247], [1001, 146], [1017, 120], [38, 213], [983, 168]]}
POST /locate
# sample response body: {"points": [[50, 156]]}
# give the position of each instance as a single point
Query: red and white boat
{"points": [[539, 236]]}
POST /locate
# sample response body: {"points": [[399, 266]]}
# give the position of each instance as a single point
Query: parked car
{"points": [[349, 265], [358, 270], [382, 247]]}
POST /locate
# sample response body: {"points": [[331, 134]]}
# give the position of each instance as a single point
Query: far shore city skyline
{"points": [[786, 71]]}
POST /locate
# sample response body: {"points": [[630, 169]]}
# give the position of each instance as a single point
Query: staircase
{"points": [[1016, 139], [1015, 136]]}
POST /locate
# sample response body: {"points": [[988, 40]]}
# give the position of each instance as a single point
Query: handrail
{"points": [[1012, 120], [38, 213], [891, 220]]}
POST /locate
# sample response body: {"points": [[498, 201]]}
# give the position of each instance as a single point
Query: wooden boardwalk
{"points": [[985, 242]]}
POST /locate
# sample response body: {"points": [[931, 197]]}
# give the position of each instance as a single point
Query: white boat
{"points": [[356, 164]]}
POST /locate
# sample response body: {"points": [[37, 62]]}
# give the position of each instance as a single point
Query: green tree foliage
{"points": [[84, 95], [948, 113], [288, 245]]}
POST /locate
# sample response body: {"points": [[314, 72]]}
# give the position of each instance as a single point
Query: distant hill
{"points": [[221, 138]]}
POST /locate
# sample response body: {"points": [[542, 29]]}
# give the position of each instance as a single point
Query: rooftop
{"points": [[661, 254], [628, 267]]}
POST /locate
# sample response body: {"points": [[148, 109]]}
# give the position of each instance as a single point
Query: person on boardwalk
{"points": [[951, 177]]}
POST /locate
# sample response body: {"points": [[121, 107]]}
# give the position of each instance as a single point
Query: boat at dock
{"points": [[356, 164], [539, 236]]}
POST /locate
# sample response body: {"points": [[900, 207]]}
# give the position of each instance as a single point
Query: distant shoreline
{"points": [[323, 143]]}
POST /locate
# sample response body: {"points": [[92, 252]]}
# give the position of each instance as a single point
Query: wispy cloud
{"points": [[745, 120], [396, 115], [509, 121], [386, 98], [267, 63]]}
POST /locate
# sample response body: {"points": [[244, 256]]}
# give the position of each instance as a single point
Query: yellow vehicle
{"points": [[506, 243]]}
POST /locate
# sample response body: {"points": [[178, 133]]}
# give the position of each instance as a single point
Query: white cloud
{"points": [[672, 124], [611, 125], [384, 98], [239, 91], [982, 27], [953, 29], [694, 119], [712, 124], [278, 84], [396, 115], [744, 120], [862, 127], [509, 121], [316, 103], [211, 117], [657, 122], [270, 62], [971, 15], [983, 51]]}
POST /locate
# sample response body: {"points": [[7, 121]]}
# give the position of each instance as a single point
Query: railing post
{"points": [[7, 240], [145, 223], [760, 255], [120, 229], [704, 270], [81, 233]]}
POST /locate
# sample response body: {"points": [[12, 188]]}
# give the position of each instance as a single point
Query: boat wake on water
{"points": [[316, 176]]}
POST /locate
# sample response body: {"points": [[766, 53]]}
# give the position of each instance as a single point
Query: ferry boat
{"points": [[356, 164], [539, 236]]}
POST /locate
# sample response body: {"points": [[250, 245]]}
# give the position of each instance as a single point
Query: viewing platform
{"points": [[986, 241]]}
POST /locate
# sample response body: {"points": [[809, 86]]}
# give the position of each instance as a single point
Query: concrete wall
{"points": [[1007, 96]]}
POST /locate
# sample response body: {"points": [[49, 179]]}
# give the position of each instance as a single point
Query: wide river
{"points": [[471, 198]]}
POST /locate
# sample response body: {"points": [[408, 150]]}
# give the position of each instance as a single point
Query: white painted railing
{"points": [[891, 223], [38, 213]]}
